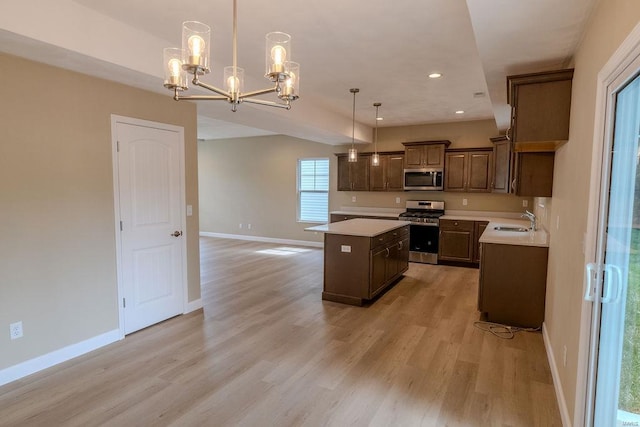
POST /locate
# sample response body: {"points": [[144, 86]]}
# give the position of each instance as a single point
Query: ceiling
{"points": [[386, 49]]}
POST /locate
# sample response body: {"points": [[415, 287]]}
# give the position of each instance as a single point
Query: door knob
{"points": [[176, 233]]}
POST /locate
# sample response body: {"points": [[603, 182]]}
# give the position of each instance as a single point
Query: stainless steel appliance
{"points": [[424, 179], [424, 229]]}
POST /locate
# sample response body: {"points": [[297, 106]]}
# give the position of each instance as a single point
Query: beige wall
{"points": [[610, 23], [253, 180], [57, 250]]}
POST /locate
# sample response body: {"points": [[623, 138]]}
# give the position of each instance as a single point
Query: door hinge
{"points": [[118, 146], [121, 226], [124, 303]]}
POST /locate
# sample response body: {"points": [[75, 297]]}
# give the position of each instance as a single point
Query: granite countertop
{"points": [[518, 238], [363, 227]]}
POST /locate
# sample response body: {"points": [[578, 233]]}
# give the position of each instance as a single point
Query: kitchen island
{"points": [[362, 257]]}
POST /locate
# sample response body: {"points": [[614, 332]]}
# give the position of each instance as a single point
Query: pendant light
{"points": [[375, 159], [353, 153]]}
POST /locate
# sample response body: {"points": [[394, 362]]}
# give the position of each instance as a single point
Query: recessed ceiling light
{"points": [[460, 112], [435, 75]]}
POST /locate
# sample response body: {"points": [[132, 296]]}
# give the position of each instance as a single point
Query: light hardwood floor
{"points": [[266, 351]]}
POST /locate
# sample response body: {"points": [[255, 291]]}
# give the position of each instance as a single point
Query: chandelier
{"points": [[193, 59]]}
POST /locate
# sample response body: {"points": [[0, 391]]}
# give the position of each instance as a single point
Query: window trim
{"points": [[299, 191]]}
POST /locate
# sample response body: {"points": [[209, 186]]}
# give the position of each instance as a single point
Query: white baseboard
{"points": [[69, 352], [562, 403], [263, 239], [193, 306]]}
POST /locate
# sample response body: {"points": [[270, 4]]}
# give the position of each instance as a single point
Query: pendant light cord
{"points": [[375, 146], [353, 123]]}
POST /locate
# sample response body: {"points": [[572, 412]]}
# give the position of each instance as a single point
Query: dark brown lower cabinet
{"points": [[456, 240], [513, 282], [459, 240], [479, 228], [359, 268]]}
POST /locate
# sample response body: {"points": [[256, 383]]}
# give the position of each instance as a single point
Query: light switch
{"points": [[189, 210], [525, 203], [345, 248], [464, 202]]}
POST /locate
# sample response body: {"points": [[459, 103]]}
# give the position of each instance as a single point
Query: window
{"points": [[313, 190]]}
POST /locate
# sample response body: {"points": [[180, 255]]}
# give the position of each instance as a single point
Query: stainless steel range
{"points": [[424, 229]]}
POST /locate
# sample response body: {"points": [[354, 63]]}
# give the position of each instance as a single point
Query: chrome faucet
{"points": [[531, 217]]}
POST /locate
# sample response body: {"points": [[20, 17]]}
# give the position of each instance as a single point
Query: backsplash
{"points": [[453, 201], [542, 210]]}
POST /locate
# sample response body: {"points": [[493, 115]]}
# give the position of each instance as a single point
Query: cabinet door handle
{"points": [[400, 245], [388, 252]]}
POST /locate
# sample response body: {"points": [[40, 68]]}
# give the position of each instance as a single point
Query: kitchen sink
{"points": [[507, 228]]}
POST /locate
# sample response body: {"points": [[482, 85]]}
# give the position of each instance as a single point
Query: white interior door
{"points": [[151, 194], [615, 276]]}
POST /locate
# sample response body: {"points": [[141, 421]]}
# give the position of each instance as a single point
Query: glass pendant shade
{"points": [[353, 155], [278, 51], [196, 43], [375, 158], [291, 88], [175, 77], [234, 82]]}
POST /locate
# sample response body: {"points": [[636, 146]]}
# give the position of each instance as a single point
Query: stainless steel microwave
{"points": [[424, 179]]}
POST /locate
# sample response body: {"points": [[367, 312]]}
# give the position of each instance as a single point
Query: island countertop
{"points": [[363, 227]]}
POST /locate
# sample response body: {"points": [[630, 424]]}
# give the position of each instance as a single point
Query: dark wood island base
{"points": [[359, 267]]}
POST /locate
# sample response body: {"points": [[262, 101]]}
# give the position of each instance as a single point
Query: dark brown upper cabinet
{"points": [[353, 176], [425, 154], [540, 110], [468, 170], [502, 165], [388, 176]]}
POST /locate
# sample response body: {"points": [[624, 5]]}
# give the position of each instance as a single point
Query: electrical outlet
{"points": [[464, 202], [240, 225], [353, 199], [525, 203], [249, 226], [15, 330], [564, 356], [398, 200]]}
